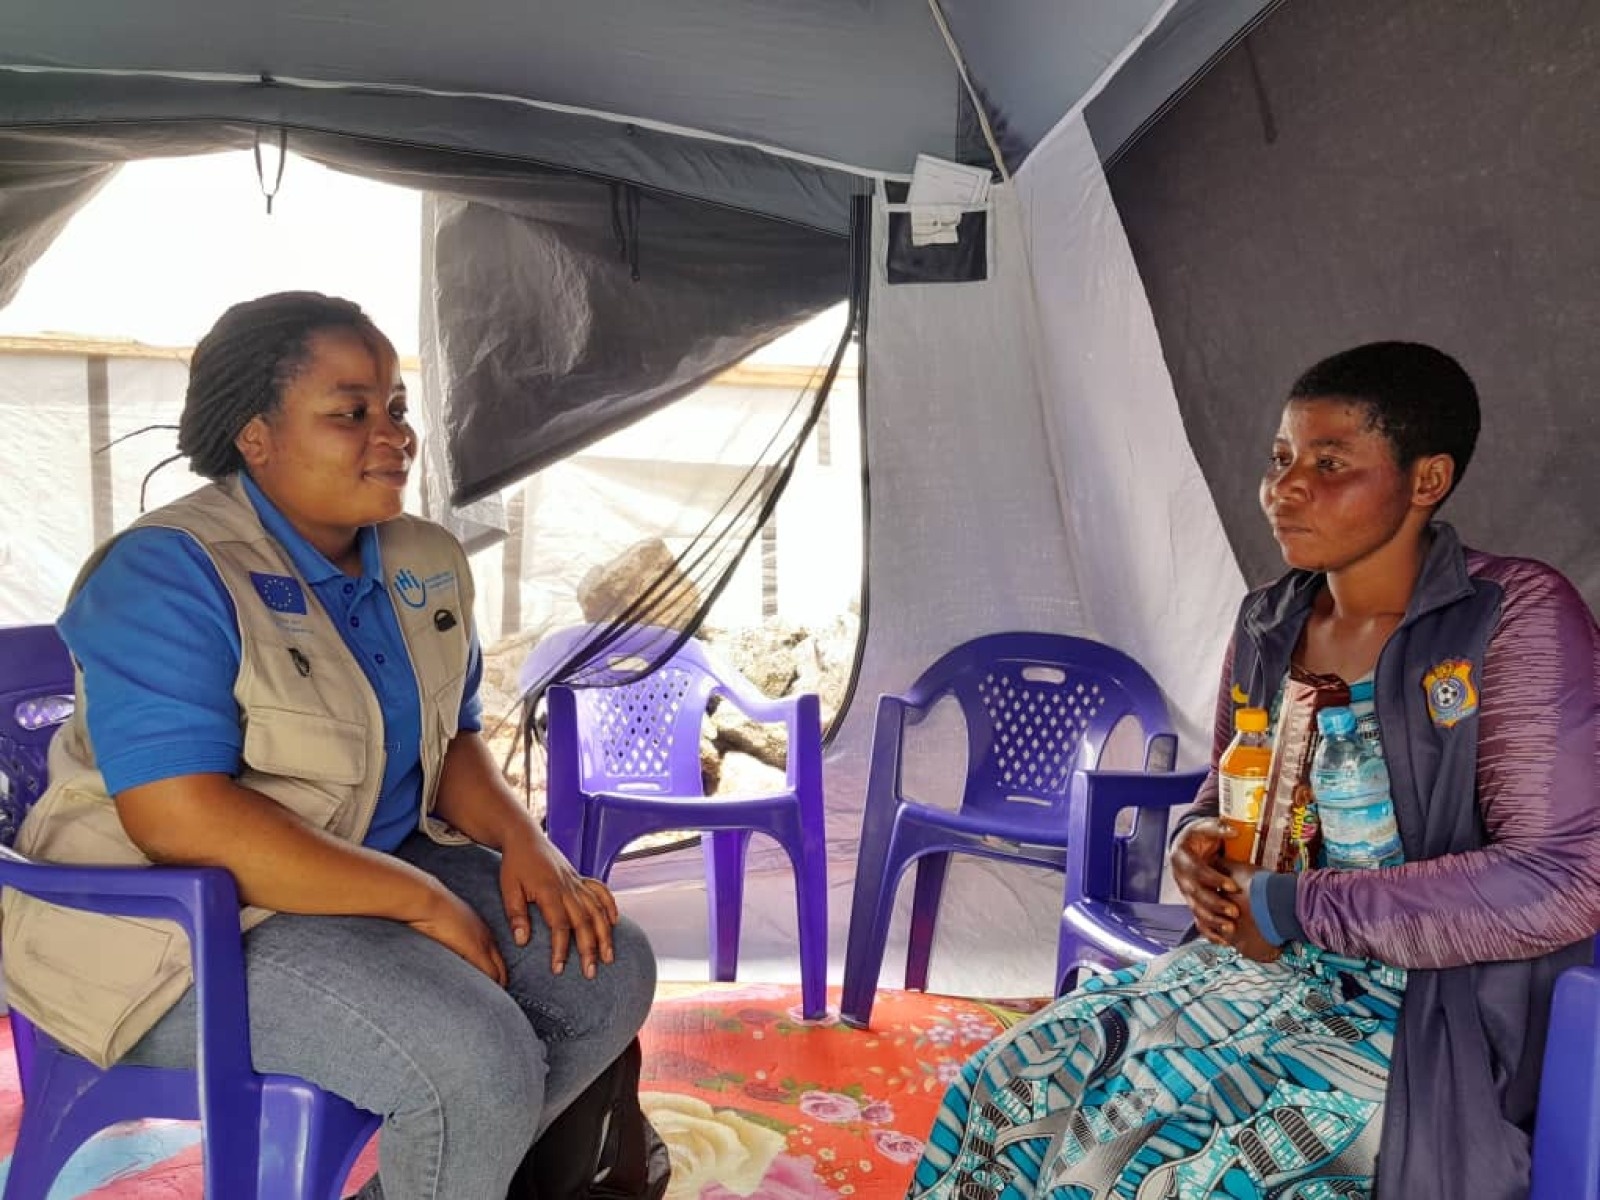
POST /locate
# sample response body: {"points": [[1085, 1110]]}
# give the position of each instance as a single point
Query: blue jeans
{"points": [[464, 1073]]}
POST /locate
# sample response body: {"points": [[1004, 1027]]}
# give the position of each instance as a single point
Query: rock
{"points": [[609, 588], [823, 661], [746, 776], [503, 661], [734, 732], [764, 654], [710, 765]]}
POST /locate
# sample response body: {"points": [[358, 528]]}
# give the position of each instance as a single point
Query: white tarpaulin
{"points": [[1007, 493]]}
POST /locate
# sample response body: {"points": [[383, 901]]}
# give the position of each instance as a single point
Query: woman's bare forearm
{"points": [[475, 798], [278, 860]]}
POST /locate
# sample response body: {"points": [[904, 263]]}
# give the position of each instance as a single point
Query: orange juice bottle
{"points": [[1242, 782]]}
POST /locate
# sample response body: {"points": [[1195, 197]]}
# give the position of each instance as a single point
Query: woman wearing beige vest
{"points": [[279, 676]]}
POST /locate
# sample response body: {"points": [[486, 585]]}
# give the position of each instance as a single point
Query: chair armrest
{"points": [[1094, 859], [752, 701], [203, 900]]}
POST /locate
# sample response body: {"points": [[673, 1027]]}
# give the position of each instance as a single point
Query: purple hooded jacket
{"points": [[1487, 697]]}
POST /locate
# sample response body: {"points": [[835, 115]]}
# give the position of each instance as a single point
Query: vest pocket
{"points": [[308, 746], [86, 972]]}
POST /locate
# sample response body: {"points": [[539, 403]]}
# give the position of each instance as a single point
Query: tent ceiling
{"points": [[775, 108], [864, 83], [1037, 60]]}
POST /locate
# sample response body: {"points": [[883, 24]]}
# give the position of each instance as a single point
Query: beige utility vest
{"points": [[313, 741]]}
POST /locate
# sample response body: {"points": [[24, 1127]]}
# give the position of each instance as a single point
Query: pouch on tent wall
{"points": [[964, 261]]}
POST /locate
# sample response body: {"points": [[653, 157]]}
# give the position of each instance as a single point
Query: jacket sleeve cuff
{"points": [[1272, 897]]}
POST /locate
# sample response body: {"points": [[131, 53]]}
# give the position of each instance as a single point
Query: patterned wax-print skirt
{"points": [[1200, 1074]]}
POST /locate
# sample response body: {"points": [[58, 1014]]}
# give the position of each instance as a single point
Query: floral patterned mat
{"points": [[751, 1100]]}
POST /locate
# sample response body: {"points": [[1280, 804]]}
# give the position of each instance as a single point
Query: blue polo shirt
{"points": [[155, 632]]}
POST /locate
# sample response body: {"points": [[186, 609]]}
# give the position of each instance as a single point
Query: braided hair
{"points": [[241, 367]]}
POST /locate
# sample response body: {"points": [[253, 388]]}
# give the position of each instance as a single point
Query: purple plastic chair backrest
{"points": [[1037, 707], [639, 737], [36, 696]]}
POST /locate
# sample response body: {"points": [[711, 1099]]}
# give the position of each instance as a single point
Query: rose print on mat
{"points": [[730, 1072], [833, 1107], [896, 1146], [710, 1146], [842, 1110]]}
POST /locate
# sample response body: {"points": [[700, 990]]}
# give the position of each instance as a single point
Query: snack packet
{"points": [[1290, 837]]}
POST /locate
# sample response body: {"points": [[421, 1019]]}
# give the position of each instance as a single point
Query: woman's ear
{"points": [[254, 441], [1431, 477]]}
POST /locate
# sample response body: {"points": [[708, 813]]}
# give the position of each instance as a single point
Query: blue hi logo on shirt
{"points": [[412, 591], [280, 593]]}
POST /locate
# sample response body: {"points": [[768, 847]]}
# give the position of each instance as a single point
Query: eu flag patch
{"points": [[279, 592]]}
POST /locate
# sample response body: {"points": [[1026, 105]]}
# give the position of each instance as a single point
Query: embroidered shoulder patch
{"points": [[1452, 696]]}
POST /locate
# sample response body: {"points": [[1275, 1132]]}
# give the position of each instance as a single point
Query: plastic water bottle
{"points": [[1351, 785]]}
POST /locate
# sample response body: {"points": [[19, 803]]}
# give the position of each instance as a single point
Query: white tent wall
{"points": [[966, 536], [592, 506], [46, 511], [1157, 577], [64, 491], [63, 402], [1040, 402]]}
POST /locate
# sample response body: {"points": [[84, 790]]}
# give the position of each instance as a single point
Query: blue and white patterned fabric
{"points": [[1200, 1075]]}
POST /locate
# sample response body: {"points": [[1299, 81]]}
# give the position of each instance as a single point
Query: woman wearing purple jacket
{"points": [[1336, 1032]]}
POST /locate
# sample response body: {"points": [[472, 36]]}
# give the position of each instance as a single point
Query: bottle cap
{"points": [[1250, 720], [1337, 720]]}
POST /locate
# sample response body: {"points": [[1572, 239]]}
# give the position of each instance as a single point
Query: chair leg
{"points": [[41, 1152], [725, 854], [1070, 949], [1070, 972], [309, 1141], [931, 869], [1566, 1148], [811, 907], [66, 1104], [870, 913]]}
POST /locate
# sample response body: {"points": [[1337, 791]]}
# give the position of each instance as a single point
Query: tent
{"points": [[1063, 412]]}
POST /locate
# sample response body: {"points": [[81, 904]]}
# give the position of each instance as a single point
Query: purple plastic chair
{"points": [[1039, 708], [1110, 923], [1112, 918], [625, 762], [1566, 1134], [273, 1137]]}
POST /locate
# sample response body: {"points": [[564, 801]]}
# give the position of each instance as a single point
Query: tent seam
{"points": [[1105, 76], [972, 92], [686, 131]]}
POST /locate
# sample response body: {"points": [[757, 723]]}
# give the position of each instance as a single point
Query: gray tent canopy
{"points": [[742, 130], [862, 85]]}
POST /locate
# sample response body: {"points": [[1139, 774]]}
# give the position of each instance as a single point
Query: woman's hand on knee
{"points": [[450, 921], [577, 910], [1196, 862]]}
